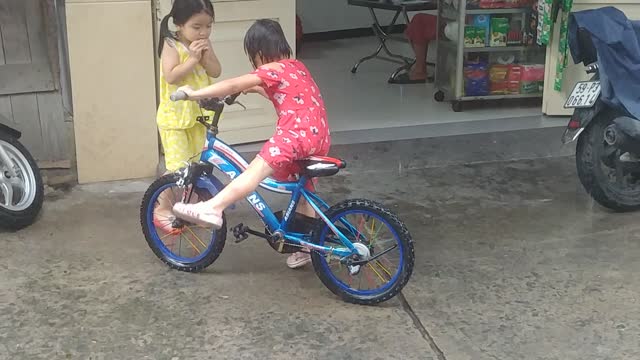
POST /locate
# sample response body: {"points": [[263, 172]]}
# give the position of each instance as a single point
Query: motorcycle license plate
{"points": [[584, 95]]}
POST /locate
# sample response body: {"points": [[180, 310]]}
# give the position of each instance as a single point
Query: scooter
{"points": [[608, 148], [21, 187]]}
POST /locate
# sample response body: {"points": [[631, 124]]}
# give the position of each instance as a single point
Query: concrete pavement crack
{"points": [[418, 324]]}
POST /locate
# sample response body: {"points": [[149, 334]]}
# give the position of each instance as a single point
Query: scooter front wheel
{"points": [[21, 187]]}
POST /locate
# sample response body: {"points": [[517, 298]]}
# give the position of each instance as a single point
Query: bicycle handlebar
{"points": [[214, 104], [229, 99], [179, 95]]}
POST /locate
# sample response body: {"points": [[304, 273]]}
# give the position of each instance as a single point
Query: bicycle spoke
{"points": [[376, 272], [196, 237], [383, 268], [192, 245], [167, 235], [371, 230]]}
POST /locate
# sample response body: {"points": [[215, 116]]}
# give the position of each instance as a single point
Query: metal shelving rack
{"points": [[448, 67]]}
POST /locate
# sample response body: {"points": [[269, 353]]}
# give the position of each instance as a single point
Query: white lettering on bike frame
{"points": [[256, 202]]}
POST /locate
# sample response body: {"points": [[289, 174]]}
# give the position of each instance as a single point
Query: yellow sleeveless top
{"points": [[181, 114]]}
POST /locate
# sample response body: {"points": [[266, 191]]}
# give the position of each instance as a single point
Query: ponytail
{"points": [[164, 33]]}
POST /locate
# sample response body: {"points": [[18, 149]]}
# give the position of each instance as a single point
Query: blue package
{"points": [[476, 79], [483, 21]]}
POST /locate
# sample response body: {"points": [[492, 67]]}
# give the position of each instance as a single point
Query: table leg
{"points": [[408, 64], [366, 58], [383, 36]]}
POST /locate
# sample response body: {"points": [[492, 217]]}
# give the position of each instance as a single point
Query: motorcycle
{"points": [[608, 135], [21, 187]]}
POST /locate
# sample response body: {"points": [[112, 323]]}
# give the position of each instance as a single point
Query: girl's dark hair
{"points": [[266, 39], [181, 12]]}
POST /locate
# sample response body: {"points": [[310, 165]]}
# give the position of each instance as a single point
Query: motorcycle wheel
{"points": [[21, 197], [610, 182]]}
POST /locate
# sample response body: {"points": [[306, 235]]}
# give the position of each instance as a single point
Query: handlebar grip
{"points": [[179, 95]]}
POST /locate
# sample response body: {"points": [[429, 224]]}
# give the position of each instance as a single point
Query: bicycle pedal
{"points": [[240, 232]]}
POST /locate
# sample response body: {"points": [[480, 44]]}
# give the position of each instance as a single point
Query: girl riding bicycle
{"points": [[302, 129]]}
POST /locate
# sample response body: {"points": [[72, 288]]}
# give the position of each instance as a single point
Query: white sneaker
{"points": [[299, 259], [196, 213]]}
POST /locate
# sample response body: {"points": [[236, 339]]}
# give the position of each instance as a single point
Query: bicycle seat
{"points": [[319, 166]]}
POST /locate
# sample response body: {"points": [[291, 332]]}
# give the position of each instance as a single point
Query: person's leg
{"points": [[419, 69], [197, 137], [303, 257], [210, 212], [305, 209], [420, 31], [175, 143]]}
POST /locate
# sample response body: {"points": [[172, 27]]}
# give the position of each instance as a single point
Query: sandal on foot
{"points": [[197, 214]]}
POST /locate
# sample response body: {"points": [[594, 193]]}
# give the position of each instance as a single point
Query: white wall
{"points": [[329, 15]]}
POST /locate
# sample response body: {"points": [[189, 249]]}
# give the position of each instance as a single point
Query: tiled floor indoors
{"points": [[365, 101], [363, 107]]}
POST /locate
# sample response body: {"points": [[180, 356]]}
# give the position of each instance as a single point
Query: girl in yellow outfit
{"points": [[187, 58]]}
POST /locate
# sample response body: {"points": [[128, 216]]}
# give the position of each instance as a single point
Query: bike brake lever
{"points": [[241, 104]]}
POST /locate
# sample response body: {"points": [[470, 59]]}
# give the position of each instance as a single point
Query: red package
{"points": [[492, 4], [515, 73], [534, 72], [500, 87]]}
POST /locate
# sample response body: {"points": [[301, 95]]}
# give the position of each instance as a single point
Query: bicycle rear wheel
{"points": [[380, 237]]}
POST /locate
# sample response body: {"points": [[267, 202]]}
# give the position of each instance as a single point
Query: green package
{"points": [[481, 35], [531, 87], [469, 36], [545, 23], [499, 31]]}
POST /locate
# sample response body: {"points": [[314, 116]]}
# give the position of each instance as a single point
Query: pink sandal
{"points": [[198, 214]]}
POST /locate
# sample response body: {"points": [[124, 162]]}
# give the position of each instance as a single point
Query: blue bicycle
{"points": [[360, 250]]}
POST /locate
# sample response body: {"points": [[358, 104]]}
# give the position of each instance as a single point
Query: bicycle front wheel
{"points": [[383, 242], [181, 245]]}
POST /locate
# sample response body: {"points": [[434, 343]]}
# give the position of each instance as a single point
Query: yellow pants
{"points": [[182, 146]]}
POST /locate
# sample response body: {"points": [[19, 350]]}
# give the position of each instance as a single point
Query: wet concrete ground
{"points": [[513, 261]]}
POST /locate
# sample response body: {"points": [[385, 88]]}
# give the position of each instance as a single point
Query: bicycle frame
{"points": [[227, 160]]}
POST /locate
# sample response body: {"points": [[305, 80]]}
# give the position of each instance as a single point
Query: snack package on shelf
{"points": [[469, 35], [492, 4], [483, 22], [476, 79], [514, 36], [532, 80], [517, 3], [498, 4], [474, 36], [499, 31], [505, 79], [513, 79], [498, 77]]}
